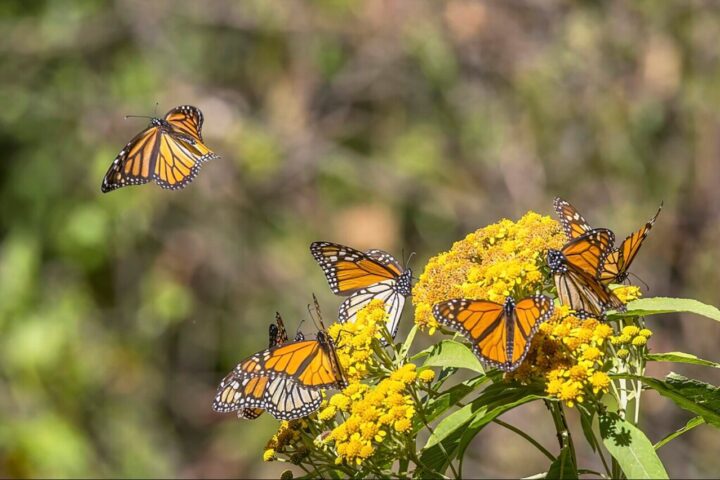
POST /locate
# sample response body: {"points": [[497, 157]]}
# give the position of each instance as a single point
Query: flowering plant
{"points": [[408, 414]]}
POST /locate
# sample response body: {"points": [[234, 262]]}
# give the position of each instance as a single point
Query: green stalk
{"points": [[526, 437]]}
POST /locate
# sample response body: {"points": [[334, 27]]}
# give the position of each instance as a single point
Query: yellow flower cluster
{"points": [[354, 339], [630, 336], [501, 259], [568, 355], [627, 293], [371, 414], [285, 439]]}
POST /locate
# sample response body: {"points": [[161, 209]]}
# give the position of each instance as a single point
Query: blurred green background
{"points": [[399, 124]]}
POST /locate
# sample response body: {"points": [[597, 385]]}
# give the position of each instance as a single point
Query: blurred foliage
{"points": [[396, 124]]}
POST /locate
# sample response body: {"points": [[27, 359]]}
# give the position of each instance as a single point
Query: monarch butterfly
{"points": [[278, 336], [169, 151], [575, 269], [619, 259], [364, 277], [284, 380], [500, 334]]}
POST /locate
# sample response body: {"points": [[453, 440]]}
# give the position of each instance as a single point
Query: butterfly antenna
{"points": [[317, 312], [647, 287], [137, 116], [298, 327], [407, 264], [156, 107]]}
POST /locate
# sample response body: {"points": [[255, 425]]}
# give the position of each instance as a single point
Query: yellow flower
{"points": [[601, 332], [600, 382], [627, 293], [621, 339], [269, 455], [373, 411], [402, 425], [426, 376], [327, 413], [591, 354], [622, 353], [355, 339], [645, 333], [571, 392], [639, 341], [630, 331], [502, 259]]}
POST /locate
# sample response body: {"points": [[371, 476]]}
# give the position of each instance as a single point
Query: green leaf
{"points": [[655, 305], [449, 398], [694, 396], [680, 357], [631, 448], [563, 466], [454, 433], [586, 422], [692, 423], [449, 354]]}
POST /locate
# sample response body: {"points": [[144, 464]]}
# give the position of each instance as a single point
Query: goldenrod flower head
{"points": [[601, 332], [645, 332], [426, 376], [402, 425], [269, 455], [621, 339], [627, 293], [622, 353], [354, 339], [491, 263], [327, 413], [600, 382], [630, 330], [639, 341], [373, 411]]}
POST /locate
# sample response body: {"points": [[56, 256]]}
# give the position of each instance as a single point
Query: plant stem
{"points": [[526, 437]]}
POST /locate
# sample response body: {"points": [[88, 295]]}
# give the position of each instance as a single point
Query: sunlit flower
{"points": [[373, 412], [354, 340], [505, 258], [627, 293], [639, 341], [622, 353], [426, 376], [645, 333]]}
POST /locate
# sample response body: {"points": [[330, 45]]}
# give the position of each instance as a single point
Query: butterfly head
{"points": [[273, 335], [404, 283], [509, 306], [556, 261]]}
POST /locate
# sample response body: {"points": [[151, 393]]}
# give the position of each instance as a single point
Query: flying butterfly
{"points": [[170, 151], [615, 269], [364, 277], [278, 336], [576, 268], [500, 334], [284, 380]]}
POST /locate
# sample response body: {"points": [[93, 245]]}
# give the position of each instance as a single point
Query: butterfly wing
{"points": [[387, 291], [585, 295], [187, 120], [587, 253], [134, 165], [482, 322], [572, 222], [282, 397], [280, 334], [619, 260], [179, 160], [529, 313], [348, 270]]}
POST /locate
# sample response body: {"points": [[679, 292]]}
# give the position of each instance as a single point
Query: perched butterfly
{"points": [[615, 269], [285, 380], [170, 151], [576, 269], [500, 334], [278, 336], [364, 277]]}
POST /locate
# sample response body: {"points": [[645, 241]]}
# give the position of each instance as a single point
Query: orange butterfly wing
{"points": [[133, 164], [588, 252], [619, 260], [572, 222], [348, 270], [530, 312]]}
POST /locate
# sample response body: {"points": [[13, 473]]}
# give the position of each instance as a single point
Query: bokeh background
{"points": [[400, 125]]}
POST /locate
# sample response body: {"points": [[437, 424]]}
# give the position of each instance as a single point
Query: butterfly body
{"points": [[616, 264], [285, 380], [500, 334], [575, 270], [364, 277], [169, 151]]}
